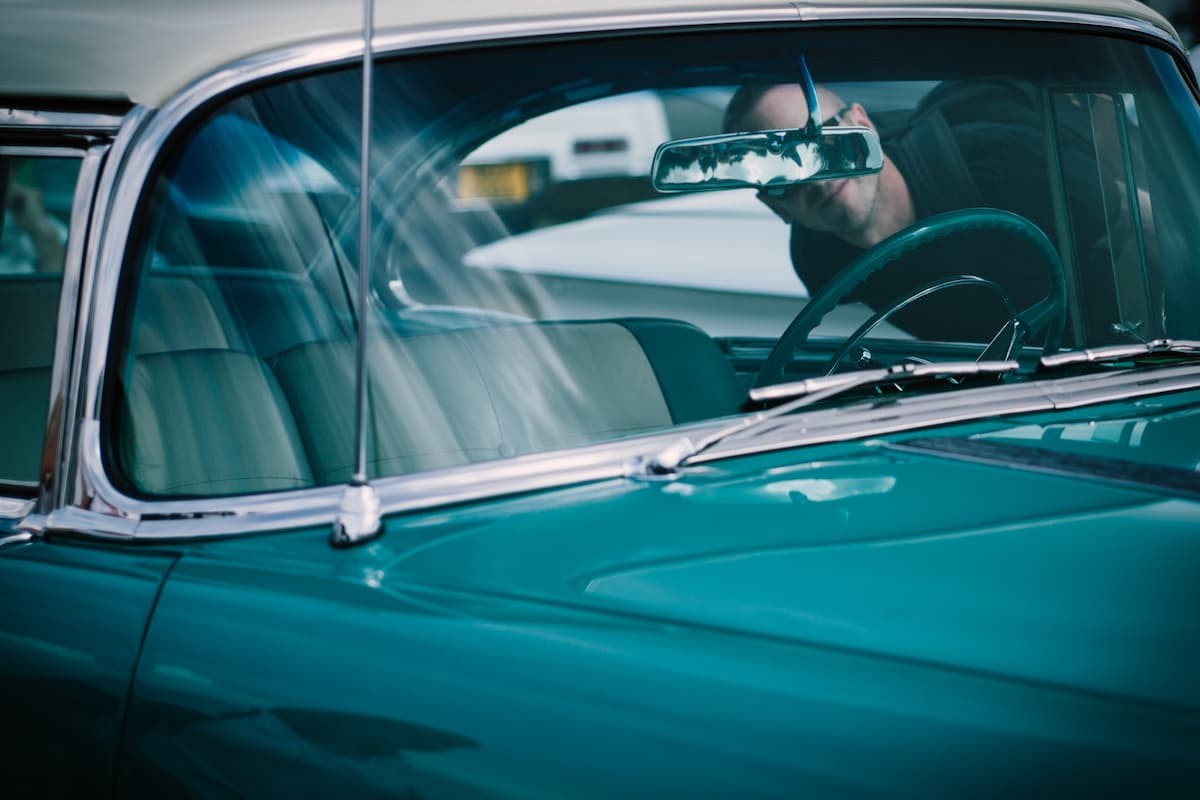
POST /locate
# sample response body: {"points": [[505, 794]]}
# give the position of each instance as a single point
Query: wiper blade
{"points": [[812, 391], [1185, 349], [897, 373]]}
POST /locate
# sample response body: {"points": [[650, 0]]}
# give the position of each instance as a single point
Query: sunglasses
{"points": [[836, 119]]}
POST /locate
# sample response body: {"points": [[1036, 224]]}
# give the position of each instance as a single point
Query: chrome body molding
{"points": [[86, 501], [15, 539], [154, 520]]}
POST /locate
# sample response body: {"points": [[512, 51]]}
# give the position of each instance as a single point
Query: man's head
{"points": [[843, 206]]}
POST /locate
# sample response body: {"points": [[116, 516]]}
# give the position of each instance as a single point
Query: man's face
{"points": [[844, 205]]}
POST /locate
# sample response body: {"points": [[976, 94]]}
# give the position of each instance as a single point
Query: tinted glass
{"points": [[531, 291]]}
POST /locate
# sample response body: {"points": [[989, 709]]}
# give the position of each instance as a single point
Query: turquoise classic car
{"points": [[321, 477]]}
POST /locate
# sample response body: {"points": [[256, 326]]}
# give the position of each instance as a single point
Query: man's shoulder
{"points": [[960, 108], [996, 101], [960, 121], [818, 256]]}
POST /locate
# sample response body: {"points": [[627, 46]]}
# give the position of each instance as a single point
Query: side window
{"points": [[1115, 244], [240, 263], [36, 193]]}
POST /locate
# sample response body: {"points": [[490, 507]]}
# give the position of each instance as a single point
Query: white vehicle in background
{"points": [[737, 273], [720, 259], [737, 276], [569, 163]]}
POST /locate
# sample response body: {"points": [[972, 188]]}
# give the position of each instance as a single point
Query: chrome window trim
{"points": [[69, 122], [65, 335], [41, 151], [93, 504], [67, 303]]}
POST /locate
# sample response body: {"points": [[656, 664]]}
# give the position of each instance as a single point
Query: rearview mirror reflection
{"points": [[762, 159]]}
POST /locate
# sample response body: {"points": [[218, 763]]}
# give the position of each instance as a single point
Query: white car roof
{"points": [[640, 243], [144, 51]]}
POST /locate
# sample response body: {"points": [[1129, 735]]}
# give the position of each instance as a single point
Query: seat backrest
{"points": [[263, 312], [464, 396], [175, 313], [208, 422]]}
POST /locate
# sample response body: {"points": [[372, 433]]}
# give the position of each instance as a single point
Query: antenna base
{"points": [[358, 517]]}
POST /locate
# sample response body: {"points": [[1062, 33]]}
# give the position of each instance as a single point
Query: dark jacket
{"points": [[965, 146]]}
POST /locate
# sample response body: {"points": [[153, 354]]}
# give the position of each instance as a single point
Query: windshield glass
{"points": [[531, 291]]}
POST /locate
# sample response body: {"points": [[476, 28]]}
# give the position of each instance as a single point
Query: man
{"points": [[963, 147], [860, 211], [31, 240]]}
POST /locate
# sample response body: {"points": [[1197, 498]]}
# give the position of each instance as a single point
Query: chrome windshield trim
{"points": [[92, 504], [92, 323], [174, 520], [918, 11]]}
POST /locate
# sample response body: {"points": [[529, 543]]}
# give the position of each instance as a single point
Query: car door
{"points": [[72, 611]]}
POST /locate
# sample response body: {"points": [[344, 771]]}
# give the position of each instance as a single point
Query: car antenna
{"points": [[358, 518]]}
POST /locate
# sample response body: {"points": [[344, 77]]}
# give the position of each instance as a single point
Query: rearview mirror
{"points": [[763, 159]]}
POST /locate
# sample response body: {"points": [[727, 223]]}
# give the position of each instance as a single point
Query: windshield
{"points": [[533, 291]]}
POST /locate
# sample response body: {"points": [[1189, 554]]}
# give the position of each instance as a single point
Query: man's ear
{"points": [[857, 115]]}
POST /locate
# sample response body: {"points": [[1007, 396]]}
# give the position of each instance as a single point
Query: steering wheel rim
{"points": [[1048, 313]]}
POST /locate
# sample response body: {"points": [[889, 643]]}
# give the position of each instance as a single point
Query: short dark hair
{"points": [[744, 99]]}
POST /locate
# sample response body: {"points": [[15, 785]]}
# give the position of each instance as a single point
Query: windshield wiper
{"points": [[809, 392], [1164, 351]]}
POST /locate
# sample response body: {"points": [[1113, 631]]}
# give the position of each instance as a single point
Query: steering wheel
{"points": [[1047, 314]]}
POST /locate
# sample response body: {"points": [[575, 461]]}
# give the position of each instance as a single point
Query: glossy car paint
{"points": [[71, 627], [891, 633], [863, 620]]}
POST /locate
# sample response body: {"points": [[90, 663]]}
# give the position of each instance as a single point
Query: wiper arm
{"points": [[809, 392], [1180, 349]]}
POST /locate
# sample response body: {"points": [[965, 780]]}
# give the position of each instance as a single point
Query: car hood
{"points": [[1035, 570]]}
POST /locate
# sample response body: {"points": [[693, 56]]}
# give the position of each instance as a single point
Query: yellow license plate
{"points": [[494, 182]]}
